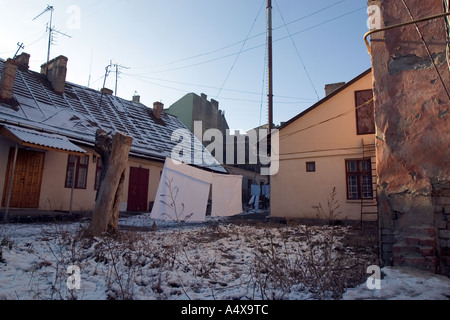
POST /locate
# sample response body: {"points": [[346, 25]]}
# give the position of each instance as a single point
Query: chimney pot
{"points": [[8, 78], [157, 109], [136, 98], [204, 96], [56, 71]]}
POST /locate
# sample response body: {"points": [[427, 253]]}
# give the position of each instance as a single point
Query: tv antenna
{"points": [[20, 46], [118, 67], [50, 29]]}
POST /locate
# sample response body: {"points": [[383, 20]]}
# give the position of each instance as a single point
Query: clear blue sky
{"points": [[215, 47]]}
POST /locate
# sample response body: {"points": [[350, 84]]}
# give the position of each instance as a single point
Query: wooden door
{"points": [[138, 190], [26, 186]]}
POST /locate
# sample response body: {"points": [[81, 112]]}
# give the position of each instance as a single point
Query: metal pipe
{"points": [[11, 182], [401, 25]]}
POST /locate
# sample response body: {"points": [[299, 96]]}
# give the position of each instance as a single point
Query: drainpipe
{"points": [[11, 182]]}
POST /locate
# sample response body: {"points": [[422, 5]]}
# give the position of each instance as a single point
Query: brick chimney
{"points": [[23, 61], [157, 109], [8, 78], [56, 71], [136, 98], [107, 91]]}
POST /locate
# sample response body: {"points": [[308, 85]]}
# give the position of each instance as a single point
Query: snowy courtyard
{"points": [[222, 259]]}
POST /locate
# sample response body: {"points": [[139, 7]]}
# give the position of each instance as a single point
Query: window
{"points": [[78, 165], [98, 172], [365, 114], [359, 179], [310, 167]]}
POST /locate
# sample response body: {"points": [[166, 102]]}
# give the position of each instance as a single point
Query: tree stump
{"points": [[114, 151]]}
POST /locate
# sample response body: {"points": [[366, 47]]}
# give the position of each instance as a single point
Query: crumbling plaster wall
{"points": [[413, 125]]}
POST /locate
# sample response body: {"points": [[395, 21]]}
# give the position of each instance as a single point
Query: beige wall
{"points": [[54, 196], [294, 191]]}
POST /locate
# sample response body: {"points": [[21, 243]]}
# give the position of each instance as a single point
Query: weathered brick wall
{"points": [[441, 197], [413, 130]]}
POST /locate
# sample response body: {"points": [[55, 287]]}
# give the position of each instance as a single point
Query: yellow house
{"points": [[47, 139], [330, 146]]}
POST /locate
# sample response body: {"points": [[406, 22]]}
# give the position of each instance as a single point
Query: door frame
{"points": [[11, 176], [132, 184]]}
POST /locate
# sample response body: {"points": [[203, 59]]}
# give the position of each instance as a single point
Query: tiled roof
{"points": [[77, 114]]}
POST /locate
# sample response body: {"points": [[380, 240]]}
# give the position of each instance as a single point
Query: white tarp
{"points": [[183, 194], [226, 195]]}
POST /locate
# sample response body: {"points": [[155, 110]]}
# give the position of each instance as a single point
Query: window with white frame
{"points": [[76, 172], [359, 179]]}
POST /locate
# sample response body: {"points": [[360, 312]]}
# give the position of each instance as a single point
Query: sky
{"points": [[166, 49]]}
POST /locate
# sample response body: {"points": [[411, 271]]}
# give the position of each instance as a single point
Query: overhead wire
{"points": [[221, 97], [142, 78], [328, 120], [246, 50], [427, 49], [297, 51], [241, 41], [242, 48]]}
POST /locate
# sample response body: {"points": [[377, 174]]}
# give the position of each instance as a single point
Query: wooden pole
{"points": [[270, 64]]}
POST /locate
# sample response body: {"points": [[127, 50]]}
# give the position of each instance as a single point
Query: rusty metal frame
{"points": [[441, 15]]}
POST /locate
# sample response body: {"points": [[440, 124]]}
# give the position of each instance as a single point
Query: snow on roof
{"points": [[43, 139], [77, 114]]}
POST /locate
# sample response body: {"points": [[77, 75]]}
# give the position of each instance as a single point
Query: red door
{"points": [[138, 190]]}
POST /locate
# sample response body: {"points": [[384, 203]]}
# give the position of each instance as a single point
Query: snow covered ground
{"points": [[217, 260]]}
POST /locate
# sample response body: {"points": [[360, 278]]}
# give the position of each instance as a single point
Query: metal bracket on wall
{"points": [[401, 25]]}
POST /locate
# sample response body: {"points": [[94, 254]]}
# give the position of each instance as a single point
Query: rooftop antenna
{"points": [[118, 66], [50, 30], [20, 46], [107, 69]]}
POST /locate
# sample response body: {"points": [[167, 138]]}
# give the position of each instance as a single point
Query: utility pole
{"points": [[270, 66]]}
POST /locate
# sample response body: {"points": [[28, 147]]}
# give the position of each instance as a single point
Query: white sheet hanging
{"points": [[182, 193], [226, 195]]}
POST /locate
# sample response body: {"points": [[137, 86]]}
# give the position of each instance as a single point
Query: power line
{"points": [[252, 48], [223, 98], [298, 53], [242, 48], [327, 120], [428, 50], [142, 78]]}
